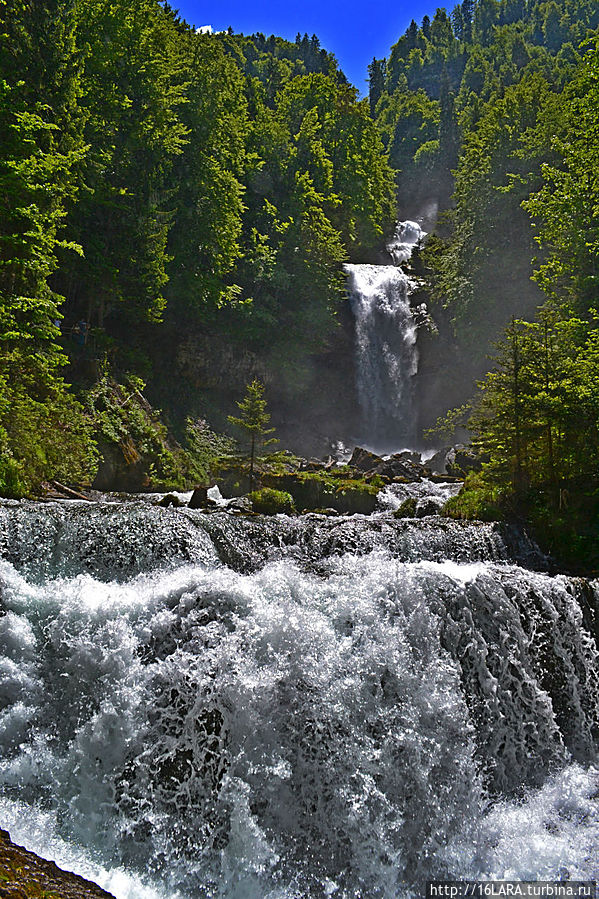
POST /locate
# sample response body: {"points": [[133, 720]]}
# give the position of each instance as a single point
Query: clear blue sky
{"points": [[353, 31]]}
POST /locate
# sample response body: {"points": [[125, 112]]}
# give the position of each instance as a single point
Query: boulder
{"points": [[121, 470], [24, 874], [272, 502], [438, 462], [240, 504], [200, 499], [363, 460], [313, 492], [407, 508], [170, 500], [232, 478], [401, 465], [461, 459], [353, 501], [427, 507]]}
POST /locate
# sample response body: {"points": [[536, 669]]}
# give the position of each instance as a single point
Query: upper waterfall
{"points": [[386, 351]]}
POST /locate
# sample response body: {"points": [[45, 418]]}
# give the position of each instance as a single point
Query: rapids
{"points": [[209, 705]]}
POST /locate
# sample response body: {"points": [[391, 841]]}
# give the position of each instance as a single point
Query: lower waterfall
{"points": [[204, 705]]}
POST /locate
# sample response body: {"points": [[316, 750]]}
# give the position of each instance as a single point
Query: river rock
{"points": [[233, 480], [121, 470], [170, 500], [363, 460], [312, 493], [438, 462], [23, 874], [461, 459], [200, 499]]}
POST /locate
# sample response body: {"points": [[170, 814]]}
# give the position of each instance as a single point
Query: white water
{"points": [[427, 493], [199, 730], [386, 352]]}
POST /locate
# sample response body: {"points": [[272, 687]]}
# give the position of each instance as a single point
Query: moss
{"points": [[407, 508], [343, 481], [478, 500], [272, 502]]}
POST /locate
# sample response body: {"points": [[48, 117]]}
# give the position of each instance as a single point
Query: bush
{"points": [[272, 502], [477, 501]]}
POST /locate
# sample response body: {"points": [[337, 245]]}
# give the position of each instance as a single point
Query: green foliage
{"points": [[474, 112], [253, 421], [477, 501], [254, 417], [566, 205], [124, 420], [272, 502], [537, 421], [407, 509], [204, 447], [44, 432], [166, 186]]}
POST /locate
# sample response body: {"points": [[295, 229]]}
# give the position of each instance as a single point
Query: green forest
{"points": [[492, 112], [176, 209]]}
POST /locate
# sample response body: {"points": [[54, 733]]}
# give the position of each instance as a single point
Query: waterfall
{"points": [[386, 352], [205, 705]]}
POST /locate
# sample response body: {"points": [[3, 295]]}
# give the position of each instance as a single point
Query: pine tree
{"points": [[253, 422], [376, 72]]}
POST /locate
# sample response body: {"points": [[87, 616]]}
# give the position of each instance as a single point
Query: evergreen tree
{"points": [[376, 72], [253, 422]]}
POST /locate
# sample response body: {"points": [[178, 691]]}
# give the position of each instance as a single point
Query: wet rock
{"points": [[24, 874], [272, 502], [461, 459], [121, 469], [407, 508], [170, 500], [232, 479], [363, 460], [311, 492], [401, 465], [200, 499], [438, 462], [240, 504], [427, 507]]}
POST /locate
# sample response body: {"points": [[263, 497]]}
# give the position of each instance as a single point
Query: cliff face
{"points": [[23, 875]]}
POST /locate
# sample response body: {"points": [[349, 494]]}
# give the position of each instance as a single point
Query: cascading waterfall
{"points": [[204, 705], [386, 352]]}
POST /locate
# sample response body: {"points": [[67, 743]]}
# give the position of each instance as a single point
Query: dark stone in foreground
{"points": [[23, 875], [199, 498], [170, 500]]}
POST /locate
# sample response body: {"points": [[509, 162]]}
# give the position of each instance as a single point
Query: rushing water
{"points": [[203, 705], [386, 352]]}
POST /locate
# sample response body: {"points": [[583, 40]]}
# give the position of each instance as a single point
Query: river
{"points": [[214, 705]]}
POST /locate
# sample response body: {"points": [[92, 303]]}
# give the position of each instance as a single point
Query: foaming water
{"points": [[429, 495], [350, 728], [550, 834]]}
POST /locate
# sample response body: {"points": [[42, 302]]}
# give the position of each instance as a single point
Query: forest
{"points": [[491, 113], [176, 209]]}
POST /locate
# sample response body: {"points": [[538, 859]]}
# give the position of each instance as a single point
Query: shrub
{"points": [[271, 502]]}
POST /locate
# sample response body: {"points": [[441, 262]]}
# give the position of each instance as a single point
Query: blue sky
{"points": [[353, 31]]}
